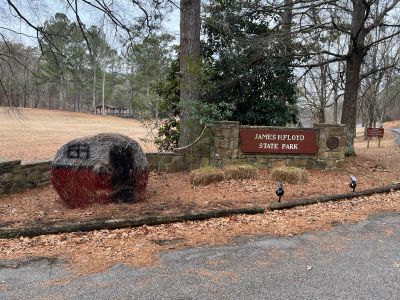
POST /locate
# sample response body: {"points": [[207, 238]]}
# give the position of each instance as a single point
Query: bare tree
{"points": [[322, 85], [377, 90], [364, 20], [130, 20], [358, 20], [17, 63]]}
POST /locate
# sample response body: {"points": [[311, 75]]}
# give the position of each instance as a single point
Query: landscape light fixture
{"points": [[280, 191], [353, 183]]}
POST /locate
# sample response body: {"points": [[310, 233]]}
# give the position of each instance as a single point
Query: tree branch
{"points": [[381, 16]]}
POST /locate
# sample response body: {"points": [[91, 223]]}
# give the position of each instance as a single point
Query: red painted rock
{"points": [[100, 169]]}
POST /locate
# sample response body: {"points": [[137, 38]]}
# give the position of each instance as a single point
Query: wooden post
{"points": [[375, 132]]}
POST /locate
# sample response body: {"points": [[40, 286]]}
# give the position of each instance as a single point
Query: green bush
{"points": [[168, 135]]}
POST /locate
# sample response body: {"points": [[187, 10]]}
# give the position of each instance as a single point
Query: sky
{"points": [[14, 28]]}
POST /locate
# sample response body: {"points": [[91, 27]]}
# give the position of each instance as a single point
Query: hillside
{"points": [[36, 134]]}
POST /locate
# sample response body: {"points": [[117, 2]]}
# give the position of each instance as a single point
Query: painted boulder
{"points": [[100, 169]]}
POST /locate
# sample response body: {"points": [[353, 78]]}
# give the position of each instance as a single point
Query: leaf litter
{"points": [[98, 250]]}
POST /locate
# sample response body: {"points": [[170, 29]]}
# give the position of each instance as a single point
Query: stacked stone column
{"points": [[333, 158], [224, 148]]}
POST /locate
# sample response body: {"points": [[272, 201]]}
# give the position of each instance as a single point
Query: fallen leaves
{"points": [[172, 193], [98, 250]]}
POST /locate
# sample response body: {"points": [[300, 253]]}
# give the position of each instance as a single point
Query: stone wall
{"points": [[193, 156], [219, 145], [225, 143], [16, 176]]}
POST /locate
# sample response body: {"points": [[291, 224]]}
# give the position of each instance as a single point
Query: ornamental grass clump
{"points": [[240, 172], [206, 175], [209, 174], [292, 175]]}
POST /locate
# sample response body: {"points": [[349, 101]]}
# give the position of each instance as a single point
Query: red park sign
{"points": [[375, 132], [278, 141]]}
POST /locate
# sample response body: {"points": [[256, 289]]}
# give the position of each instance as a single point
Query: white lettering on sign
{"points": [[279, 137], [268, 137], [287, 137], [268, 146], [290, 146], [284, 141]]}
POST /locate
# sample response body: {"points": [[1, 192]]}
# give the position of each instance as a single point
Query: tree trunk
{"points": [[104, 84], [112, 86], [94, 89], [287, 20], [190, 64], [323, 95], [157, 103], [335, 106], [36, 101], [287, 40], [349, 113], [24, 97], [61, 94], [321, 115], [353, 69], [25, 91], [365, 130], [79, 100], [49, 95], [75, 94]]}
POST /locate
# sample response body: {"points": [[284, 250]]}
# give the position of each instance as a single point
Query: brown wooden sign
{"points": [[278, 141], [375, 132]]}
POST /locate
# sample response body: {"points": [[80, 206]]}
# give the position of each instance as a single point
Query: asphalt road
{"points": [[397, 131], [358, 261]]}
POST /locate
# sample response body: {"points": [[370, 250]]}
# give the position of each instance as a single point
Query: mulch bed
{"points": [[170, 194]]}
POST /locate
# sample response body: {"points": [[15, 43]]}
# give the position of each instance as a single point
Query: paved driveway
{"points": [[397, 131], [358, 261]]}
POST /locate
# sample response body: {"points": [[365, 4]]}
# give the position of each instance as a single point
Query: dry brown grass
{"points": [[291, 175], [207, 175], [36, 134], [240, 172]]}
